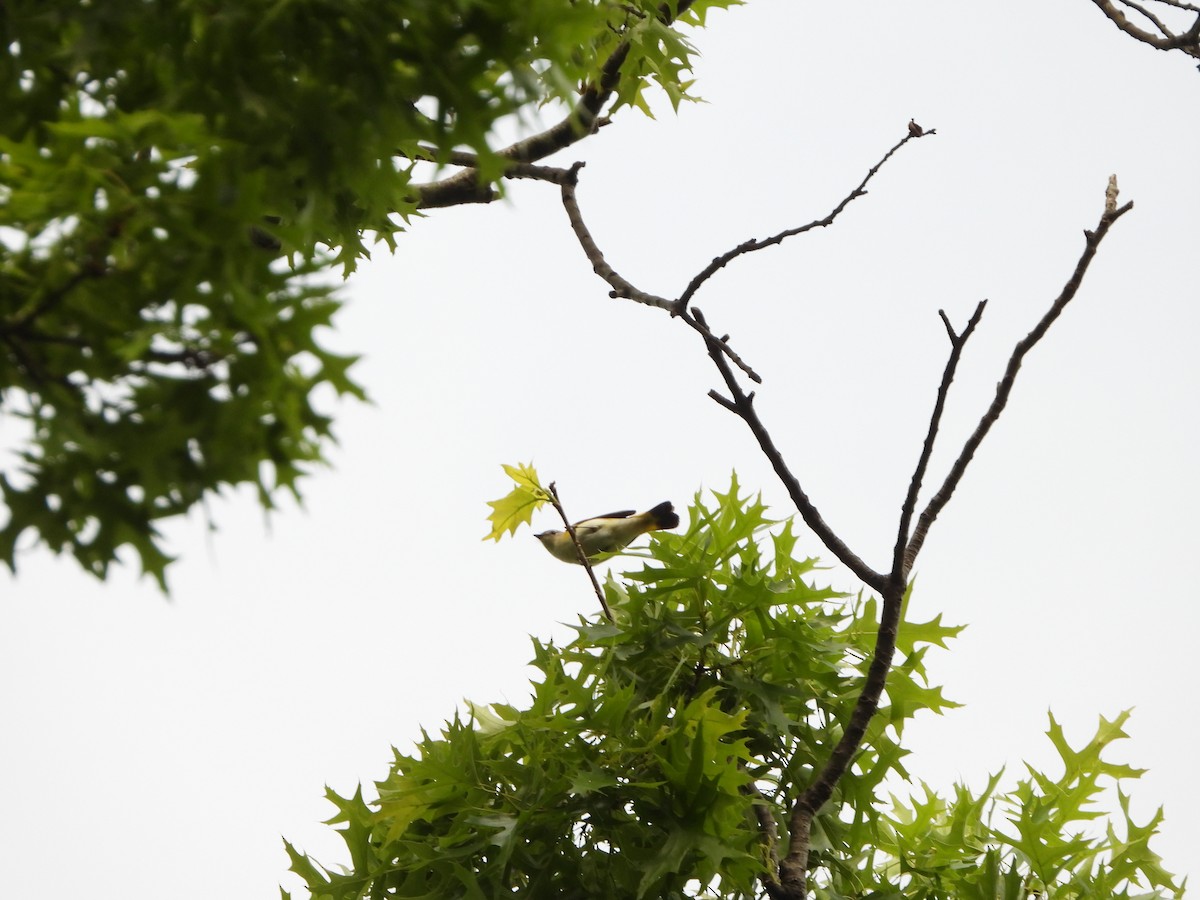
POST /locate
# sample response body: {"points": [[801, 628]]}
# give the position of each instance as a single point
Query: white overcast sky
{"points": [[155, 746]]}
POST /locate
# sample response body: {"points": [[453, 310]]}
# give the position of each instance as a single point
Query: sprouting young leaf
{"points": [[516, 508]]}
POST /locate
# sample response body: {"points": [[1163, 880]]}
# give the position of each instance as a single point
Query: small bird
{"points": [[608, 533]]}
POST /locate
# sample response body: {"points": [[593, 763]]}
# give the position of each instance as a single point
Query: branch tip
{"points": [[752, 244], [723, 401], [907, 554], [949, 328]]}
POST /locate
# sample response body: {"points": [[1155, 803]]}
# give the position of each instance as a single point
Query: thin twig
{"points": [[700, 327], [553, 174], [1155, 20], [753, 244], [743, 405], [1005, 386], [957, 342], [512, 169], [583, 560], [1178, 4]]}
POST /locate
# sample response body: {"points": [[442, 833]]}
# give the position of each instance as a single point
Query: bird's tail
{"points": [[662, 516]]}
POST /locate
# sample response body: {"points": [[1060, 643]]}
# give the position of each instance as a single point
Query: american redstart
{"points": [[608, 533]]}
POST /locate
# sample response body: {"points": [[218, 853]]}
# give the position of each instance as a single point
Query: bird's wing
{"points": [[622, 514], [586, 527], [604, 535]]}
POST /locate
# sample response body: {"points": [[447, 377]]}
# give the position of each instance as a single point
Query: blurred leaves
{"points": [[177, 179]]}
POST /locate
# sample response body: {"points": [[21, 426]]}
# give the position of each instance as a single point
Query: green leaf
{"points": [[516, 508]]}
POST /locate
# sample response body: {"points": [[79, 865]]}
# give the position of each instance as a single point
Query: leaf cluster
{"points": [[660, 753], [154, 353], [1032, 841], [173, 179], [633, 770]]}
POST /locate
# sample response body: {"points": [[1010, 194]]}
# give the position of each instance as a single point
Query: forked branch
{"points": [[621, 287], [939, 500], [957, 342], [1151, 28], [790, 878], [793, 867]]}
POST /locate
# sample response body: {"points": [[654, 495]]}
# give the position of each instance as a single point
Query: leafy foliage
{"points": [[654, 746], [172, 178], [953, 848]]}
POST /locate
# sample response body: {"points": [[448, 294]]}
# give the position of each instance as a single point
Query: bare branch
{"points": [[583, 560], [1178, 4], [957, 342], [1004, 388], [753, 244], [743, 405], [466, 159], [1150, 17], [1187, 41], [724, 401], [553, 174], [620, 287], [38, 337], [891, 587]]}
